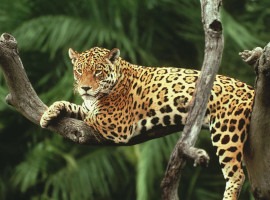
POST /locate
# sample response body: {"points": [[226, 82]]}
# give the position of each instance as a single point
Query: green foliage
{"points": [[151, 165], [37, 164]]}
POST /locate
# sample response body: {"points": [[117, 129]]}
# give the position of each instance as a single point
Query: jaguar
{"points": [[122, 100]]}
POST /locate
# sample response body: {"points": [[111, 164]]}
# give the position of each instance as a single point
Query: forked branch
{"points": [[212, 58]]}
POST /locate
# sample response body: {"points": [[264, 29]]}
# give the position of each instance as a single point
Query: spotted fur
{"points": [[122, 100]]}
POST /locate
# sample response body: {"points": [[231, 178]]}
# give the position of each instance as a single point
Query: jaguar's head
{"points": [[95, 71]]}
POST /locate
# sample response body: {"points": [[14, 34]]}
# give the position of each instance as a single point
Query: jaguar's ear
{"points": [[113, 55], [73, 55]]}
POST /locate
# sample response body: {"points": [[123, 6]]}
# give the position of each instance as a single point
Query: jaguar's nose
{"points": [[86, 88]]}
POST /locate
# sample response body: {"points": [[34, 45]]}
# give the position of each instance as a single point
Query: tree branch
{"points": [[256, 152], [212, 58], [25, 100]]}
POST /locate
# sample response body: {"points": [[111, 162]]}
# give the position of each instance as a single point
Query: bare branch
{"points": [[256, 152], [251, 57], [212, 58], [23, 97]]}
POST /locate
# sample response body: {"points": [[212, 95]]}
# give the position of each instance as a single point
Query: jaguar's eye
{"points": [[98, 73], [79, 71]]}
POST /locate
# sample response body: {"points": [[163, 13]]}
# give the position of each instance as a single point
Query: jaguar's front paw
{"points": [[51, 113]]}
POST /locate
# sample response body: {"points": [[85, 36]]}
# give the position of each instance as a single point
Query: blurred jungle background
{"points": [[40, 165]]}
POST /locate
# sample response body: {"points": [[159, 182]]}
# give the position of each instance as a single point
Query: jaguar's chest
{"points": [[91, 105]]}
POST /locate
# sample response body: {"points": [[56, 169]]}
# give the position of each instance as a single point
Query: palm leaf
{"points": [[151, 166]]}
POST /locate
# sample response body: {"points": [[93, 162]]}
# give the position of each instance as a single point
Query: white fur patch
{"points": [[90, 103]]}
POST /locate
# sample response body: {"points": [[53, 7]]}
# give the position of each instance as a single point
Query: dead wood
{"points": [[212, 58], [257, 152]]}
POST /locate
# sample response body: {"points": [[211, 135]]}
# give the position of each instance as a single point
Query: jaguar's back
{"points": [[122, 100]]}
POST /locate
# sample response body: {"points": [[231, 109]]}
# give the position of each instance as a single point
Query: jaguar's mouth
{"points": [[88, 95], [85, 95]]}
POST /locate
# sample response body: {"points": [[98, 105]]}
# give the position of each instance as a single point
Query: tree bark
{"points": [[256, 152], [212, 58], [25, 100]]}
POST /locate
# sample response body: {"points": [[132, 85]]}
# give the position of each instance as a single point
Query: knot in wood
{"points": [[8, 40], [216, 26]]}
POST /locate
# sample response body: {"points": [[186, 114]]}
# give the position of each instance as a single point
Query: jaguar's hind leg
{"points": [[229, 142]]}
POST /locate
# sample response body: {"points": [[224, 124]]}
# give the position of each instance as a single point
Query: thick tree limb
{"points": [[256, 152], [212, 58], [23, 97]]}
